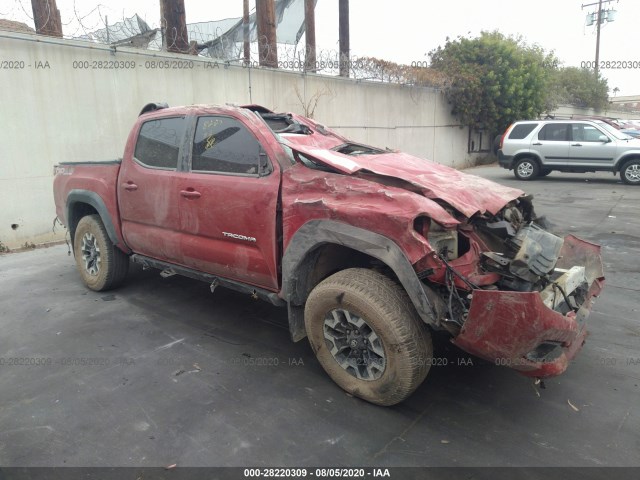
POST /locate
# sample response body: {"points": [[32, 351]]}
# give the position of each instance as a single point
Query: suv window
{"points": [[586, 133], [223, 144], [159, 142], [521, 131], [555, 132]]}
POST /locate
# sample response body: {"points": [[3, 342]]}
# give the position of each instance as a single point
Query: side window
{"points": [[521, 131], [224, 145], [555, 132], [586, 133], [159, 142]]}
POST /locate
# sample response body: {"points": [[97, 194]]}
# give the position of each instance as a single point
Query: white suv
{"points": [[535, 148]]}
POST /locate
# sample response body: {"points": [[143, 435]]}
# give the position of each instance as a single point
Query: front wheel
{"points": [[526, 169], [101, 264], [630, 173], [367, 336]]}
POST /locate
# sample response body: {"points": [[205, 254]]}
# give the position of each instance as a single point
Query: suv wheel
{"points": [[367, 336], [630, 173], [526, 169]]}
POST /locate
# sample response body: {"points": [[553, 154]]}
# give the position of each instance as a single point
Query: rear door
{"points": [[229, 203], [147, 194], [588, 149], [552, 143]]}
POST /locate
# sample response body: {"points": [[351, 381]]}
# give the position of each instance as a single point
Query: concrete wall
{"points": [[52, 111], [610, 112]]}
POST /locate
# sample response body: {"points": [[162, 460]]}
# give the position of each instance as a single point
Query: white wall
{"points": [[610, 112], [62, 113]]}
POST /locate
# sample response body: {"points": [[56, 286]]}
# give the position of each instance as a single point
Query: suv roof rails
{"points": [[152, 107], [609, 120]]}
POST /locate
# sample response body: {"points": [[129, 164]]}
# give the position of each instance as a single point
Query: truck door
{"points": [[147, 195], [228, 203]]}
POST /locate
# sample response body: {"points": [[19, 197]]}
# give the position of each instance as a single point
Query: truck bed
{"points": [[93, 182]]}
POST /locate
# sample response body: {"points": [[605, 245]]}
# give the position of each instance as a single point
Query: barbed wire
{"points": [[211, 40], [23, 9]]}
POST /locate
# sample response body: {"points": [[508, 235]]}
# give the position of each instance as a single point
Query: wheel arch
{"points": [[625, 159], [519, 156], [81, 203], [323, 247]]}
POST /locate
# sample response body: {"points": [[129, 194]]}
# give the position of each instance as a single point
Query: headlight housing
{"points": [[443, 241]]}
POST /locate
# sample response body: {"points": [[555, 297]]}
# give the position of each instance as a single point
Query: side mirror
{"points": [[264, 167], [604, 139]]}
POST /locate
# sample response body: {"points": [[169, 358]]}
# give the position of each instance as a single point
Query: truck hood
{"points": [[466, 193]]}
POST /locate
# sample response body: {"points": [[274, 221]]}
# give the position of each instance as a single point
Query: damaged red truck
{"points": [[370, 250]]}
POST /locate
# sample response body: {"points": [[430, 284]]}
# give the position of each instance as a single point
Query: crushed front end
{"points": [[508, 290]]}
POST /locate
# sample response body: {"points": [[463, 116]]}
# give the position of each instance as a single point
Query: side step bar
{"points": [[169, 269]]}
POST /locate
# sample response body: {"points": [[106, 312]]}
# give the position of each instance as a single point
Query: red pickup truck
{"points": [[370, 250]]}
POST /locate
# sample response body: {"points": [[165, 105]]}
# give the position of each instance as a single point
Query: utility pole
{"points": [[267, 43], [46, 17], [174, 20], [343, 34], [597, 66], [245, 32], [600, 18], [310, 35]]}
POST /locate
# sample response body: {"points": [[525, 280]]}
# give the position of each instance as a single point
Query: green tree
{"points": [[494, 80], [579, 87]]}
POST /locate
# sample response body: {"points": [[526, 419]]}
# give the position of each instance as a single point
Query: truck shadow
{"points": [[253, 327]]}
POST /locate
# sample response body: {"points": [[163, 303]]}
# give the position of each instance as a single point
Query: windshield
{"points": [[612, 131]]}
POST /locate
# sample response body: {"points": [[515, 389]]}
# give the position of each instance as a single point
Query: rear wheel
{"points": [[526, 169], [630, 173], [367, 336], [101, 264]]}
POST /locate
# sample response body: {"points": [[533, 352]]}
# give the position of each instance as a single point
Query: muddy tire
{"points": [[526, 169], [367, 336], [630, 172], [102, 265]]}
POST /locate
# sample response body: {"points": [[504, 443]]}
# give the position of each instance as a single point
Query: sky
{"points": [[405, 31]]}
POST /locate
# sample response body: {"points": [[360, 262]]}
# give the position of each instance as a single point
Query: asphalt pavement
{"points": [[162, 372]]}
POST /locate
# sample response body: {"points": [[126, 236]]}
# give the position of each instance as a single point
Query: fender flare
{"points": [[95, 201], [305, 243], [624, 159]]}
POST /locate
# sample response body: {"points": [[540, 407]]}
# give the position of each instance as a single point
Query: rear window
{"points": [[159, 142], [521, 131], [555, 132]]}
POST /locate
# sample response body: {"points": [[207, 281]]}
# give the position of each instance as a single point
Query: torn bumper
{"points": [[521, 331]]}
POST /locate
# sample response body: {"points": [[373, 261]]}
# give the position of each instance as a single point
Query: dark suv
{"points": [[535, 148]]}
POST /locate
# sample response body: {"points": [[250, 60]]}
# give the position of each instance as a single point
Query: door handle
{"points": [[190, 194], [576, 144], [130, 186], [537, 143]]}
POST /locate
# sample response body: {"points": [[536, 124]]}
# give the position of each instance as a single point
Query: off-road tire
{"points": [[111, 269], [388, 311], [630, 172], [526, 169]]}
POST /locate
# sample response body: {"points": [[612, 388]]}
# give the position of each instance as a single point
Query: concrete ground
{"points": [[162, 372]]}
